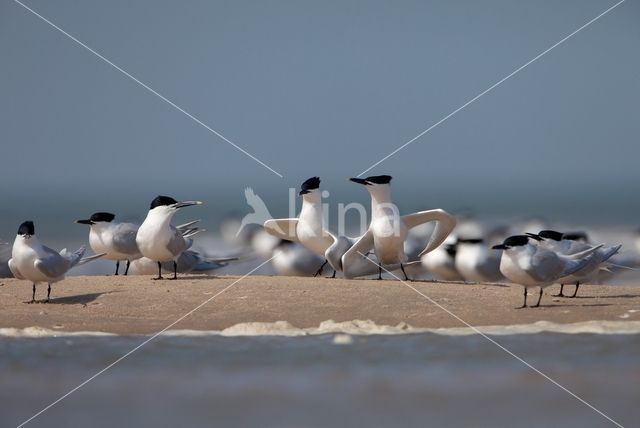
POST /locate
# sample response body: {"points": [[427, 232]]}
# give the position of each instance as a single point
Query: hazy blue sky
{"points": [[320, 88]]}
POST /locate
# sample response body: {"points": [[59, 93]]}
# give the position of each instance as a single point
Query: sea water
{"points": [[292, 378]]}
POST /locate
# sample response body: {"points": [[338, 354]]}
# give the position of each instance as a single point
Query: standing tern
{"points": [[157, 239], [571, 243], [32, 261], [476, 262], [532, 265], [388, 230], [309, 228], [117, 240]]}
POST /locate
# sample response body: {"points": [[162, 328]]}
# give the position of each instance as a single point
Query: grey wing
{"points": [[545, 266], [124, 238], [53, 265], [177, 244]]}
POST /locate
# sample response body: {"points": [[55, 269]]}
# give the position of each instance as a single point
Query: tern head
{"points": [[470, 241], [168, 204], [576, 236], [513, 242], [101, 217], [26, 230], [551, 234], [311, 186], [373, 181]]}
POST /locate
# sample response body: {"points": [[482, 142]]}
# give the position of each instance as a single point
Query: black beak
{"points": [[303, 192], [359, 180], [534, 236], [89, 222], [499, 247]]}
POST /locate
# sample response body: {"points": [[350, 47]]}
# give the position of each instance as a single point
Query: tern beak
{"points": [[499, 247], [89, 222], [183, 204], [359, 180], [303, 192], [534, 236]]}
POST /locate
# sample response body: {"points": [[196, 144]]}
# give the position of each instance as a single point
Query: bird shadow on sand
{"points": [[78, 299], [560, 305], [619, 296]]}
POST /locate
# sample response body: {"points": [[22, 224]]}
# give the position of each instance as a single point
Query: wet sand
{"points": [[139, 305]]}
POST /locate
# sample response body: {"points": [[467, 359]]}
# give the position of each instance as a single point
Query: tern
{"points": [[532, 265], [32, 261], [293, 259], [441, 262], [309, 228], [189, 261], [388, 230], [157, 239], [476, 262], [571, 243], [117, 240]]}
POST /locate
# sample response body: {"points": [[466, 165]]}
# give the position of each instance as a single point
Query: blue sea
{"points": [[395, 380]]}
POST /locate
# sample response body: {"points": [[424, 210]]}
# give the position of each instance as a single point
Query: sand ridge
{"points": [[139, 305]]}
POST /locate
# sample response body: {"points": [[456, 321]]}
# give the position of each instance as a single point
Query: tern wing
{"points": [[187, 225], [283, 228], [14, 269], [53, 265], [445, 224], [177, 244], [544, 266], [124, 238]]}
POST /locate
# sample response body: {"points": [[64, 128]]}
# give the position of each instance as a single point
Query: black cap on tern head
{"points": [[512, 241], [98, 217], [576, 236], [27, 228], [162, 200], [550, 234], [374, 179], [470, 240], [310, 184]]}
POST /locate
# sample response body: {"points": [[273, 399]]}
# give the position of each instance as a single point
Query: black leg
{"points": [[334, 274], [159, 271], [117, 266], [539, 298], [175, 270], [576, 292], [524, 305], [48, 293], [33, 295], [406, 278], [126, 271], [320, 270], [560, 294], [379, 271]]}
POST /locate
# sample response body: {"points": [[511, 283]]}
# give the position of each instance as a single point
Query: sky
{"points": [[321, 88]]}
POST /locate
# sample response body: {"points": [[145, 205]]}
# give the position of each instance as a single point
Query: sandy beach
{"points": [[139, 305]]}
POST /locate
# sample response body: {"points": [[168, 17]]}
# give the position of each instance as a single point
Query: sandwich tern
{"points": [[157, 239], [571, 243], [309, 228], [476, 261], [388, 230], [32, 261], [441, 262], [117, 240], [189, 261], [532, 265]]}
